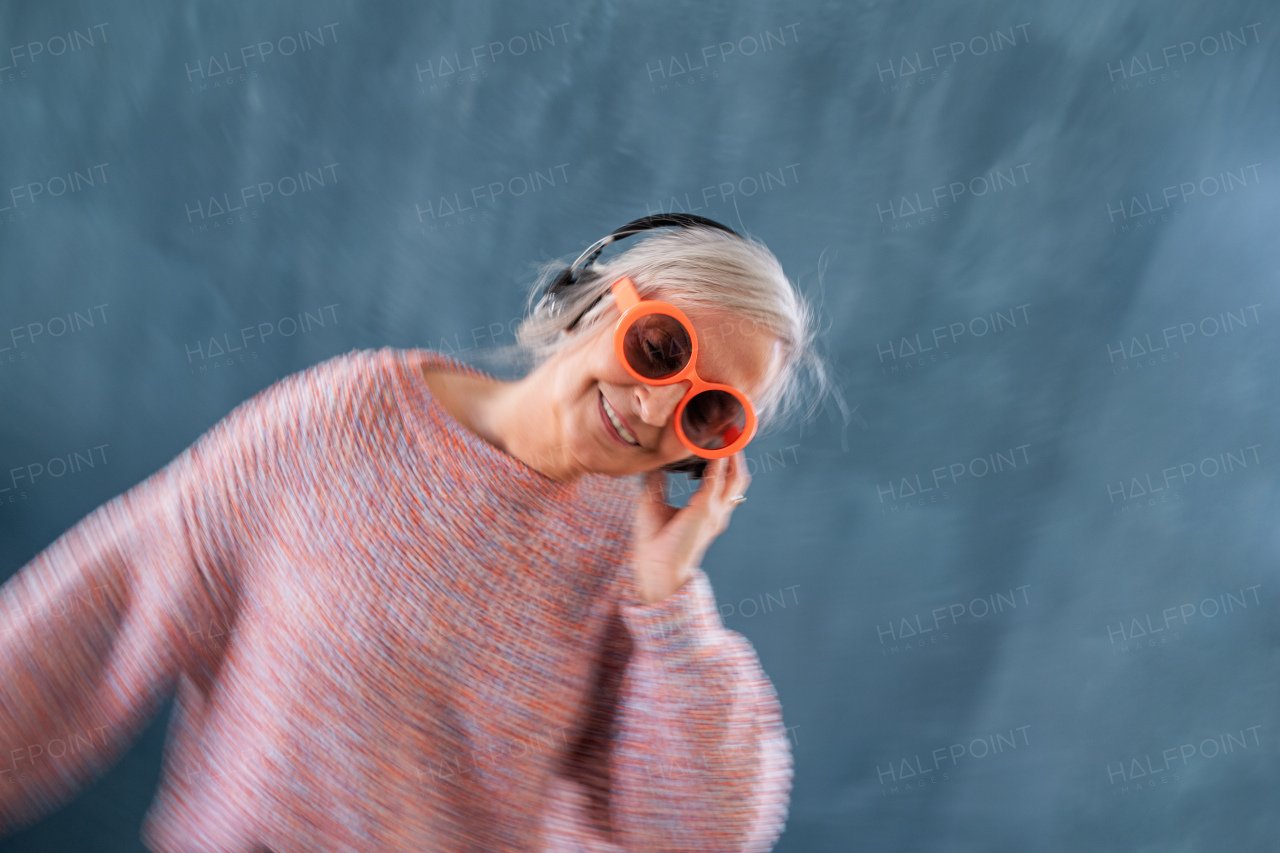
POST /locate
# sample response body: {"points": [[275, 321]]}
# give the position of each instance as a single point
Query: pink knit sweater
{"points": [[384, 634]]}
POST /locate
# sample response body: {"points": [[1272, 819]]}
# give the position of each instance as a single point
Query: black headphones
{"points": [[554, 295], [580, 270]]}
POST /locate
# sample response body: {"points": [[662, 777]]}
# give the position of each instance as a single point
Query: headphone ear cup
{"points": [[586, 277], [584, 281], [563, 280], [553, 296]]}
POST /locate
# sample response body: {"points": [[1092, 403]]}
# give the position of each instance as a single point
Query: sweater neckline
{"points": [[425, 404]]}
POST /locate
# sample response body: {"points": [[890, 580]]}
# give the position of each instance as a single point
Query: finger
{"points": [[724, 479], [710, 488], [736, 478], [743, 473]]}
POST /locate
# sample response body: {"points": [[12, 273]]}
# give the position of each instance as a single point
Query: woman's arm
{"points": [[96, 628], [684, 748], [92, 632]]}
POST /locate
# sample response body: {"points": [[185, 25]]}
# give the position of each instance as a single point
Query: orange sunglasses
{"points": [[656, 343]]}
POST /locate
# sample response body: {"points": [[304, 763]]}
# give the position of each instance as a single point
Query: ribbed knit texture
{"points": [[384, 634]]}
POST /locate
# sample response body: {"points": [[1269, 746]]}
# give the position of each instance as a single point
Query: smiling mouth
{"points": [[619, 428]]}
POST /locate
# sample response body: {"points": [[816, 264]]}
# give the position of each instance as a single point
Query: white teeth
{"points": [[617, 422]]}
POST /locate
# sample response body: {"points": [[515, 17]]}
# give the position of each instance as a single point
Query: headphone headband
{"points": [[571, 275]]}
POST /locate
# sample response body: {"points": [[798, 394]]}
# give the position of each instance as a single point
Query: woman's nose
{"points": [[657, 402]]}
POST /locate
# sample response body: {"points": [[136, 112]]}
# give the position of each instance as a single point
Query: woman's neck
{"points": [[512, 416]]}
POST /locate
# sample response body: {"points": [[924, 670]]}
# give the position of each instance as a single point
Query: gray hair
{"points": [[693, 268]]}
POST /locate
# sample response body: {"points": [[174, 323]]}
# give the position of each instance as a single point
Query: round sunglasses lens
{"points": [[713, 419], [657, 345]]}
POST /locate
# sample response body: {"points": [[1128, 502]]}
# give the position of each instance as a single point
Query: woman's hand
{"points": [[669, 542]]}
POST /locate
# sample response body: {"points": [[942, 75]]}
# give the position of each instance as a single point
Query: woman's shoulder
{"points": [[364, 369], [316, 388], [311, 401], [355, 364]]}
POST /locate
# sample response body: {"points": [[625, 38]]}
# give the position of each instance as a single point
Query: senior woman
{"points": [[405, 605]]}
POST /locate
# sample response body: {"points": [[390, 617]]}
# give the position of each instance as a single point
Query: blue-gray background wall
{"points": [[1041, 556]]}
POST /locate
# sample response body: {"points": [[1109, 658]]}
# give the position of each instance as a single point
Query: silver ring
{"points": [[738, 498]]}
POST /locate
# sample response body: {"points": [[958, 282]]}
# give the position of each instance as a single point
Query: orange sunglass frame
{"points": [[633, 307]]}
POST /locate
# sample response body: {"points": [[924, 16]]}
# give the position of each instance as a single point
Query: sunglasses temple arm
{"points": [[624, 294]]}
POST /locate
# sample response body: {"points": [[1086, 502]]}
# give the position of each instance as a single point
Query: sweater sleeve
{"points": [[96, 628], [685, 749]]}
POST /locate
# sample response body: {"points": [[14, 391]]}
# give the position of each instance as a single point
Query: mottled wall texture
{"points": [[1023, 598]]}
